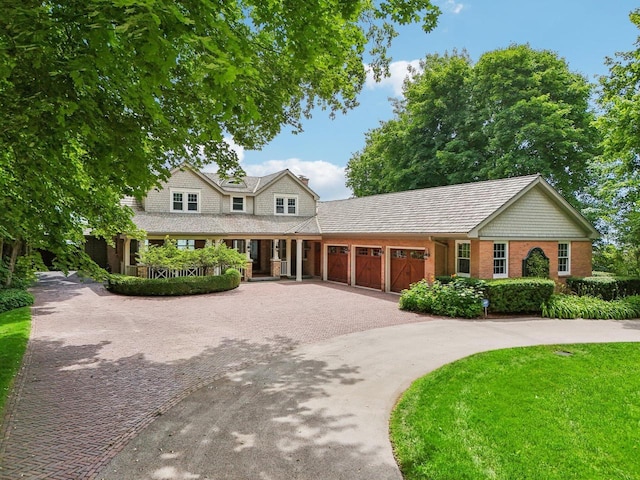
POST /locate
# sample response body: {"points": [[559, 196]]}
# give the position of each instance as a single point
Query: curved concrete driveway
{"points": [[321, 411]]}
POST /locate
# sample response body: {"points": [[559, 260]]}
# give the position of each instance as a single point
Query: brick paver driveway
{"points": [[101, 367]]}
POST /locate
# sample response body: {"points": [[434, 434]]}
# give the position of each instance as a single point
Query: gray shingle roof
{"points": [[245, 185], [202, 224], [449, 209]]}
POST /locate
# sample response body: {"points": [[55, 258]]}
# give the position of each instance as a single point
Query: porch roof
{"points": [[241, 224]]}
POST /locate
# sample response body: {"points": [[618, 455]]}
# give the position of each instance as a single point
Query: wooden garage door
{"points": [[368, 262], [407, 267], [337, 264]]}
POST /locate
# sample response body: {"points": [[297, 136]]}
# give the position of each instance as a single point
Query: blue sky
{"points": [[583, 32]]}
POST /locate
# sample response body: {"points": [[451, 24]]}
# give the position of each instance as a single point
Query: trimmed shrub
{"points": [[126, 285], [12, 298], [572, 306], [606, 288], [518, 295], [454, 299]]}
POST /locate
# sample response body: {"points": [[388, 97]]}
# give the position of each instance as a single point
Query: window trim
{"points": [[463, 274], [244, 204], [185, 199], [285, 199], [506, 260], [567, 272], [190, 244]]}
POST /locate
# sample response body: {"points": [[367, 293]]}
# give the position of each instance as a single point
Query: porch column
{"points": [[126, 252], [247, 248], [276, 266], [299, 243], [288, 272]]}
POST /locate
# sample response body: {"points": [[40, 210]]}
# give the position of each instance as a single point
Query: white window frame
{"points": [[285, 199], [505, 259], [567, 272], [185, 199], [463, 274], [185, 244], [244, 204]]}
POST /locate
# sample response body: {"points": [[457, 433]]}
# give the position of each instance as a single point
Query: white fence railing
{"points": [[172, 273], [283, 267]]}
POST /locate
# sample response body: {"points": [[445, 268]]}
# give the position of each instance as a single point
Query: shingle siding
{"points": [[534, 215], [158, 201], [285, 186]]}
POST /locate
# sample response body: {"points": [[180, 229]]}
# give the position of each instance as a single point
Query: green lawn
{"points": [[14, 333], [524, 413]]}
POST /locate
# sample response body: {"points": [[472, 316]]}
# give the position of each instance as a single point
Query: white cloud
{"points": [[398, 72], [453, 7], [326, 179]]}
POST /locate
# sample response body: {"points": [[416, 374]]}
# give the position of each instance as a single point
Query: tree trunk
{"points": [[15, 250]]}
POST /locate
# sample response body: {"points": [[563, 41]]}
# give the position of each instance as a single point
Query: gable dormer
{"points": [[185, 191]]}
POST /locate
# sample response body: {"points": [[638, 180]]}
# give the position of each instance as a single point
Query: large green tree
{"points": [[618, 186], [100, 98], [516, 111]]}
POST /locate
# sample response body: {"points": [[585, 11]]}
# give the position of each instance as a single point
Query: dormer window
{"points": [[185, 201], [237, 204], [286, 205]]}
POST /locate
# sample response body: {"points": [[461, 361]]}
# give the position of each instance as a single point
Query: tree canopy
{"points": [[517, 111], [101, 98], [618, 171]]}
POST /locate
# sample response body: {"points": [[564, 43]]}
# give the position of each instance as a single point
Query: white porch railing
{"points": [[171, 273]]}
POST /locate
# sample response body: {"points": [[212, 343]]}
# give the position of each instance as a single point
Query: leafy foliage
{"points": [[455, 299], [12, 298], [516, 111], [127, 285], [606, 288], [101, 99], [572, 306], [536, 264], [170, 256], [518, 295]]}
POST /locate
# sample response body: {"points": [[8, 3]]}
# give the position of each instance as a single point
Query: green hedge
{"points": [[126, 285], [510, 295], [606, 288], [518, 295], [12, 298], [572, 306], [453, 299]]}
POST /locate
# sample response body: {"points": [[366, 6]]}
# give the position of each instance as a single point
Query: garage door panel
{"points": [[337, 264], [407, 267], [368, 267]]}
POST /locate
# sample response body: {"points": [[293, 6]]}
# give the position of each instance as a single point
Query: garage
{"points": [[407, 267], [368, 267], [337, 263]]}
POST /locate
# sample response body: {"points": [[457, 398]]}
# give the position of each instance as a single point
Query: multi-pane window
{"points": [[500, 260], [184, 201], [238, 204], [463, 258], [177, 201], [286, 206], [192, 202], [564, 263], [185, 244]]}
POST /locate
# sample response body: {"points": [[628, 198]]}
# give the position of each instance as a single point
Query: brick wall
{"points": [[581, 259]]}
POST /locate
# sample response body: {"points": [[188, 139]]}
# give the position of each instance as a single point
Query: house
{"points": [[385, 242]]}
